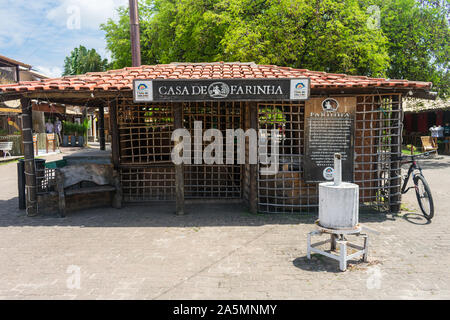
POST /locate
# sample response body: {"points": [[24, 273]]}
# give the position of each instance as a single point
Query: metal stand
{"points": [[337, 237]]}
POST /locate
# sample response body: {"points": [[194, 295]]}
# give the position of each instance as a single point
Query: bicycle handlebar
{"points": [[413, 156]]}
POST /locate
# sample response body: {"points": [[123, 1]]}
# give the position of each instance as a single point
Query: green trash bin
{"points": [[56, 164]]}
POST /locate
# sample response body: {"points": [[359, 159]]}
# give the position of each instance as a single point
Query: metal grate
{"points": [[285, 191], [45, 180], [377, 143], [215, 180], [378, 126], [145, 131], [146, 172], [148, 184]]}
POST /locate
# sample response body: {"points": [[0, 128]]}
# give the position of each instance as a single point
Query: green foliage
{"points": [[412, 40], [269, 117], [419, 40], [3, 132], [85, 126], [82, 60], [73, 128], [68, 128], [407, 150], [325, 35]]}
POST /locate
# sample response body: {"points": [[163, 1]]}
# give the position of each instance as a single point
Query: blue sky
{"points": [[43, 32]]}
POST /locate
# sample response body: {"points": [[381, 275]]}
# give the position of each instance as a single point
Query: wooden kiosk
{"points": [[358, 116]]}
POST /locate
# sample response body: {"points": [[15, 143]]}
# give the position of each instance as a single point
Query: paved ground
{"points": [[215, 252]]}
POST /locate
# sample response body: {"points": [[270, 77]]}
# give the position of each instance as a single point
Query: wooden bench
{"points": [[87, 179], [6, 147], [428, 144]]}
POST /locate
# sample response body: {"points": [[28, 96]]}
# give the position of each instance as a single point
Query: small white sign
{"points": [[300, 89], [328, 173], [143, 90]]}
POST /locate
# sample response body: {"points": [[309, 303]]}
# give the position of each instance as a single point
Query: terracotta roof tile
{"points": [[122, 79]]}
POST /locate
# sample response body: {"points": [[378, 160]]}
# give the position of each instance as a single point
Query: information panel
{"points": [[328, 130]]}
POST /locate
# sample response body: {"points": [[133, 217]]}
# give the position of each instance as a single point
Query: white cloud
{"points": [[36, 33], [89, 13], [52, 72]]}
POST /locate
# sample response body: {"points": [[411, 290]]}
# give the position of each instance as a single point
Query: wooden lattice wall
{"points": [[148, 173]]}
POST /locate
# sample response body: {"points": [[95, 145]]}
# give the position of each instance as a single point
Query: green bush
{"points": [[68, 128], [73, 128]]}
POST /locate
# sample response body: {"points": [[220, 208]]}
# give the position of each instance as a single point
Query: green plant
{"points": [[69, 128], [85, 126], [411, 146], [3, 132]]}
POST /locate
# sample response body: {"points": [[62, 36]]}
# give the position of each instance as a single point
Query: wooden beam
{"points": [[253, 189], [179, 169], [395, 196], [10, 110], [114, 133], [30, 172], [101, 127]]}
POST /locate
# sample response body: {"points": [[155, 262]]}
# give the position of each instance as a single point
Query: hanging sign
{"points": [[221, 89]]}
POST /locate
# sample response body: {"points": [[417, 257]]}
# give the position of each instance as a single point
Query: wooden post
{"points": [[94, 127], [135, 34], [395, 196], [114, 133], [179, 169], [253, 189], [30, 169], [101, 126]]}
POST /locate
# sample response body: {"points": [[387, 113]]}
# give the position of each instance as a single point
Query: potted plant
{"points": [[68, 136]]}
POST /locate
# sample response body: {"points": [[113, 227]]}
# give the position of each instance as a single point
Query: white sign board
{"points": [[143, 90]]}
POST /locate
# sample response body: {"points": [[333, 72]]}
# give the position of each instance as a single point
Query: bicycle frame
{"points": [[411, 171]]}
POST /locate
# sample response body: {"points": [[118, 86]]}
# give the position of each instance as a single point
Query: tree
{"points": [[419, 40], [82, 60], [325, 35], [411, 41]]}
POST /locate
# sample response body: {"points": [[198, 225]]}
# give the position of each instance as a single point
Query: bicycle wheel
{"points": [[424, 196]]}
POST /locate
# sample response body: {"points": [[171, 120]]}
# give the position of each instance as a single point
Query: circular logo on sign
{"points": [[218, 90], [330, 104], [142, 86], [328, 173]]}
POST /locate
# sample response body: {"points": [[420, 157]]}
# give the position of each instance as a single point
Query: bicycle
{"points": [[423, 192]]}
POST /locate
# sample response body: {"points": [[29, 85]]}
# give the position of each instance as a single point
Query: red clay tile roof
{"points": [[122, 79]]}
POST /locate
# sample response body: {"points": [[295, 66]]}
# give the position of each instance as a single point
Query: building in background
{"points": [[13, 71], [421, 115]]}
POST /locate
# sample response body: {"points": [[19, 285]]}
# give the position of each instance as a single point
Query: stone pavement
{"points": [[216, 252]]}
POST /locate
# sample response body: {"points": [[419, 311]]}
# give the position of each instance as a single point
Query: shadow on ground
{"points": [[163, 215], [439, 162], [319, 263], [415, 218]]}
